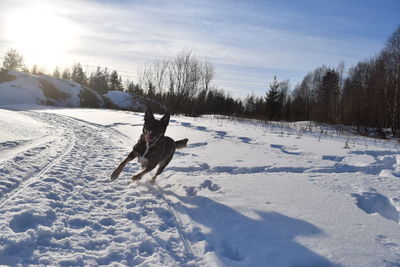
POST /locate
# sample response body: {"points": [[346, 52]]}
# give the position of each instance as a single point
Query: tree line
{"points": [[368, 96], [101, 80]]}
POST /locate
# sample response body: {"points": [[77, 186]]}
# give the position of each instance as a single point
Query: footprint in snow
{"points": [[388, 242], [293, 150], [198, 144], [373, 202], [246, 140], [207, 184], [332, 158], [231, 251], [146, 248], [31, 219]]}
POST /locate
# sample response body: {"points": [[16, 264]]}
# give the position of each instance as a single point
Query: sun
{"points": [[41, 35]]}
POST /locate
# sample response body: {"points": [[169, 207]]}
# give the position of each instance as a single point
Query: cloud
{"points": [[248, 41]]}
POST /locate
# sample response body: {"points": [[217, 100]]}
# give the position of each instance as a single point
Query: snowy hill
{"points": [[22, 88], [240, 194], [124, 100]]}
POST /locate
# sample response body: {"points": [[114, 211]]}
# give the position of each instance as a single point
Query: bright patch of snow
{"points": [[240, 194]]}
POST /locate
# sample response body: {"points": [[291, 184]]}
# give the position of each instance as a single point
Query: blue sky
{"points": [[247, 41]]}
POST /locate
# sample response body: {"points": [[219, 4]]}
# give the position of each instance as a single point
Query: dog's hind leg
{"points": [[121, 166], [140, 174], [161, 168]]}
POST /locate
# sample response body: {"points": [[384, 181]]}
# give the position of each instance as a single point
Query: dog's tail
{"points": [[181, 143]]}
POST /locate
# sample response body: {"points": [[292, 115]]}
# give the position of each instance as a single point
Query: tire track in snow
{"points": [[178, 224], [11, 195], [23, 146]]}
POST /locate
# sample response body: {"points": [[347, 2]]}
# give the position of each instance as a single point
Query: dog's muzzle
{"points": [[148, 138]]}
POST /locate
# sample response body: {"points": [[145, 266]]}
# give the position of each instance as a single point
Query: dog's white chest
{"points": [[142, 160]]}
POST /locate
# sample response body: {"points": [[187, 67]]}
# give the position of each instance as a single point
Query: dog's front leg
{"points": [[121, 166]]}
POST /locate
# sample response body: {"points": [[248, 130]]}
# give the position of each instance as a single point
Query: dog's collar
{"points": [[148, 146]]}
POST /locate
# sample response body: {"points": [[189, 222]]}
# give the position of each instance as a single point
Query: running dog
{"points": [[152, 148]]}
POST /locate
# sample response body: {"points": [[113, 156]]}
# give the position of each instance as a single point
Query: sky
{"points": [[247, 41]]}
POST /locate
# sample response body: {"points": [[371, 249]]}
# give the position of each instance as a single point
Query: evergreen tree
{"points": [[99, 80], [273, 101], [151, 91], [115, 81], [134, 88], [328, 97], [130, 87], [78, 75], [13, 61]]}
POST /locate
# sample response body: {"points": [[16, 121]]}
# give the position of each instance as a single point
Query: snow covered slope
{"points": [[22, 88], [124, 100], [241, 194]]}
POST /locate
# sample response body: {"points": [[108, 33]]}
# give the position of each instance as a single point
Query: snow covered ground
{"points": [[241, 194]]}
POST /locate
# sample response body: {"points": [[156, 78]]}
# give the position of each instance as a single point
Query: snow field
{"points": [[240, 194]]}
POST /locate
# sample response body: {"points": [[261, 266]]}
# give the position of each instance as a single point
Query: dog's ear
{"points": [[148, 116], [165, 119]]}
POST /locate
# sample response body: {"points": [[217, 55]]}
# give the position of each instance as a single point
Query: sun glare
{"points": [[40, 35]]}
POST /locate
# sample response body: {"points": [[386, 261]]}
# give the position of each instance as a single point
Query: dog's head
{"points": [[153, 129]]}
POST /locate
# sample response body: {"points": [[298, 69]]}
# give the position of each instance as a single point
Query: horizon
{"points": [[248, 42]]}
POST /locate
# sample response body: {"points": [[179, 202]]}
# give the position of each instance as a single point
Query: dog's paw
{"points": [[136, 178], [113, 176]]}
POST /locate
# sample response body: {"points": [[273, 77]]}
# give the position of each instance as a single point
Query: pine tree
{"points": [[78, 75], [151, 91], [328, 97], [99, 80], [13, 61], [130, 87], [115, 81], [274, 101]]}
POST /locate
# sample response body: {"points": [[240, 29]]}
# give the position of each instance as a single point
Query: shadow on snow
{"points": [[236, 238]]}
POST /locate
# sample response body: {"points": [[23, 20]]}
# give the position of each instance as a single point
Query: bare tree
{"points": [[185, 73], [179, 79], [208, 74], [390, 57]]}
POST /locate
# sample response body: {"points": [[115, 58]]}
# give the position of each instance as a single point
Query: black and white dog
{"points": [[152, 148]]}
